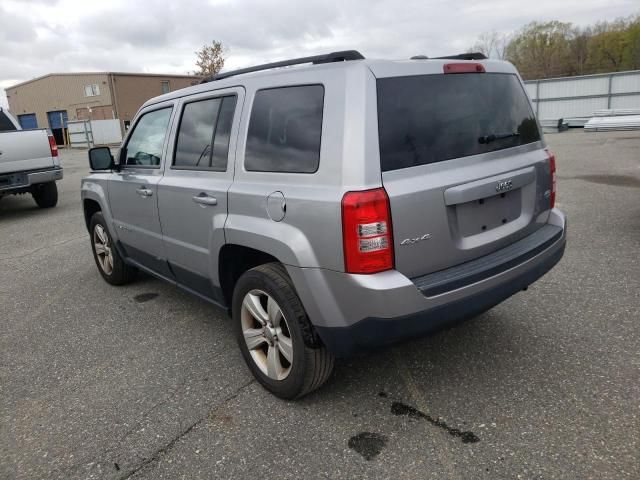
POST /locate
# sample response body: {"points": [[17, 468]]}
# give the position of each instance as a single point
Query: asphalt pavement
{"points": [[146, 382]]}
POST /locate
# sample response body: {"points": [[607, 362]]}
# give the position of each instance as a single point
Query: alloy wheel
{"points": [[267, 334], [103, 249]]}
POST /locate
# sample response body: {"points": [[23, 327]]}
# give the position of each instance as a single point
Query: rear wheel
{"points": [[275, 336], [45, 194], [111, 265]]}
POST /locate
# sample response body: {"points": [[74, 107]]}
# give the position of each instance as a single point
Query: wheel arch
{"points": [[94, 199], [90, 207], [233, 261]]}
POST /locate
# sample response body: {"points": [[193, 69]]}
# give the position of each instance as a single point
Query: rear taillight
{"points": [[367, 232], [463, 68], [53, 146], [552, 171]]}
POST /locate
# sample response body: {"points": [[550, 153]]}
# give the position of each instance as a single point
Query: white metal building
{"points": [[576, 98]]}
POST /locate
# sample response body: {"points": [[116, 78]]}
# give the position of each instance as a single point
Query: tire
{"points": [[45, 194], [311, 363], [115, 271]]}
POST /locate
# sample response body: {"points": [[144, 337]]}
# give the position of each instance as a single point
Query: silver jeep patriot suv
{"points": [[332, 206]]}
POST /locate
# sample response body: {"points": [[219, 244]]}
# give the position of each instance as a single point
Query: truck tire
{"points": [[45, 194], [110, 264], [275, 335]]}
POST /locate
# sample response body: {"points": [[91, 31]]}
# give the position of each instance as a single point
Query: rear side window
{"points": [[430, 118], [204, 133], [146, 142], [285, 130], [6, 125]]}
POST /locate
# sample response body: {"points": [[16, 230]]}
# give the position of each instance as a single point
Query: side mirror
{"points": [[100, 158]]}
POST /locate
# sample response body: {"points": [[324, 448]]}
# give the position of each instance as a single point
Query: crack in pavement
{"points": [[167, 448], [64, 242]]}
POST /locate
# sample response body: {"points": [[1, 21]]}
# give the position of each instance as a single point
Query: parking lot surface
{"points": [[146, 382]]}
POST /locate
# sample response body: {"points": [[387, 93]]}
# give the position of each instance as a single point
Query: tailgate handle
{"points": [[488, 187]]}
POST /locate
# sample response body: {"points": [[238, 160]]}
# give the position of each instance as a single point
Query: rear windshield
{"points": [[430, 118], [6, 125]]}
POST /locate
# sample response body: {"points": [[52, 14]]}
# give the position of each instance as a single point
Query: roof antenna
{"points": [[419, 57]]}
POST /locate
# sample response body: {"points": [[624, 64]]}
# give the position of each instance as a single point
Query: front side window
{"points": [[145, 145], [204, 134], [285, 129]]}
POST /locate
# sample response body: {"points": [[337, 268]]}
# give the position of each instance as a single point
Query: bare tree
{"points": [[210, 59], [492, 44]]}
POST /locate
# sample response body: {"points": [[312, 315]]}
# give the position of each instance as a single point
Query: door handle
{"points": [[144, 192], [204, 199]]}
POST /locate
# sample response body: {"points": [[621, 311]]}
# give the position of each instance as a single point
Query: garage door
{"points": [[57, 119], [28, 120]]}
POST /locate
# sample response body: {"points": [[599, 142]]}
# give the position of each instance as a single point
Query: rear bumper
{"points": [[21, 181], [358, 312]]}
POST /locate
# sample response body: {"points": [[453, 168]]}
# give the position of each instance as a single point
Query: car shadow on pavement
{"points": [[13, 206]]}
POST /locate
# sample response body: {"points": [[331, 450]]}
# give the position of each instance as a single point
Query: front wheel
{"points": [[275, 336], [111, 265]]}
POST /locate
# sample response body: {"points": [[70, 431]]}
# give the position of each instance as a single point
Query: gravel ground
{"points": [[146, 381]]}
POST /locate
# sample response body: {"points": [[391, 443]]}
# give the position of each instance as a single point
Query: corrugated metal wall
{"points": [[576, 98]]}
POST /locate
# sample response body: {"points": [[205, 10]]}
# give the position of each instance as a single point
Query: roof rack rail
{"points": [[344, 56], [465, 56]]}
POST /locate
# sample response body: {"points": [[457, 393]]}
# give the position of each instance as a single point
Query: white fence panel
{"points": [[574, 88], [625, 84], [576, 108], [106, 132], [532, 90], [628, 101], [576, 98]]}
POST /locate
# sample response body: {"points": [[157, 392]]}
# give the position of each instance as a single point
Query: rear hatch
{"points": [[462, 161]]}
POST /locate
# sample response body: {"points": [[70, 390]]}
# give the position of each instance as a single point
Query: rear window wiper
{"points": [[496, 136]]}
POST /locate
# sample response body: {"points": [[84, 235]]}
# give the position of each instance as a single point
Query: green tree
{"points": [[579, 52], [210, 59], [632, 53], [542, 50], [615, 45], [607, 47], [554, 49]]}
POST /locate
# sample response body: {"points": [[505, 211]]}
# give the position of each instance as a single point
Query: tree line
{"points": [[538, 50], [560, 49]]}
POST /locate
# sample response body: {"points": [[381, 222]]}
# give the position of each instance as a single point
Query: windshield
{"points": [[430, 118]]}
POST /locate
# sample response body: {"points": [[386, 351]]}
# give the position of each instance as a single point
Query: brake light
{"points": [[552, 170], [463, 68], [367, 232], [53, 146]]}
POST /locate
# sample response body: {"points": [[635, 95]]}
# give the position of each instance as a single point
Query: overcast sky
{"points": [[43, 36]]}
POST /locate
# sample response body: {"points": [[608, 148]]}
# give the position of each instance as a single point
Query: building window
{"points": [[91, 90], [165, 86]]}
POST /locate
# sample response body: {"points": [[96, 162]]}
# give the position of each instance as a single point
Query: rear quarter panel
{"points": [[310, 234]]}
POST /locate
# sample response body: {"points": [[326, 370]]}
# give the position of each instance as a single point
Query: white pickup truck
{"points": [[29, 162]]}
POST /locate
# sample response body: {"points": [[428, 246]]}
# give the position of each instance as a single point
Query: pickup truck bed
{"points": [[28, 162]]}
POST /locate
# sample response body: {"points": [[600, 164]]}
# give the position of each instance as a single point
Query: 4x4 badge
{"points": [[411, 241]]}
